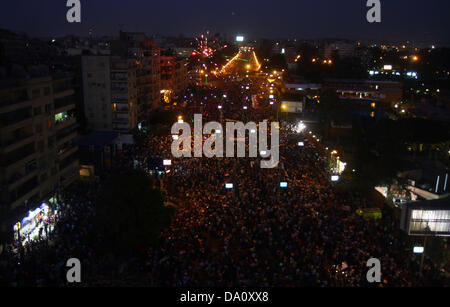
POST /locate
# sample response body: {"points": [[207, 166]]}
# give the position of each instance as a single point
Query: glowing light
{"points": [[258, 65], [418, 249]]}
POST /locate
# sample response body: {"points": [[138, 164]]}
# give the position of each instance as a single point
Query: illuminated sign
{"points": [[239, 38], [418, 249]]}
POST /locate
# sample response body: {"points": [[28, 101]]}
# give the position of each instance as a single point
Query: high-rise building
{"points": [[37, 153], [174, 74], [122, 88]]}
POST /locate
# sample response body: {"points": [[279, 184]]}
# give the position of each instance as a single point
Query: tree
{"points": [[130, 212]]}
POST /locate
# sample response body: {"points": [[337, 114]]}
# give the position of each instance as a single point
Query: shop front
{"points": [[37, 224]]}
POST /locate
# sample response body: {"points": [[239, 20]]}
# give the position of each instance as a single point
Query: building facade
{"points": [[37, 152], [121, 89]]}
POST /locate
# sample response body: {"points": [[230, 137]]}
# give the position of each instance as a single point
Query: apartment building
{"points": [[37, 153], [122, 88], [109, 89], [174, 74], [139, 47]]}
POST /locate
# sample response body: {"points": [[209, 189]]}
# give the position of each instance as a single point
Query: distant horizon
{"points": [[401, 20], [99, 36]]}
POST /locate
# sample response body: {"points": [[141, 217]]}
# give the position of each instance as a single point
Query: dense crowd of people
{"points": [[42, 262], [254, 234], [259, 234]]}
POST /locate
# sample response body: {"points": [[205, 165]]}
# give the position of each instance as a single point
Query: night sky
{"points": [[419, 20]]}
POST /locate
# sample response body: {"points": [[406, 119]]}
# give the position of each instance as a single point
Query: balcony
{"points": [[119, 77], [66, 151], [63, 87], [24, 192], [12, 119], [119, 97], [64, 104], [17, 179], [61, 124], [120, 127], [66, 134], [18, 156], [8, 99], [17, 141], [70, 174]]}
